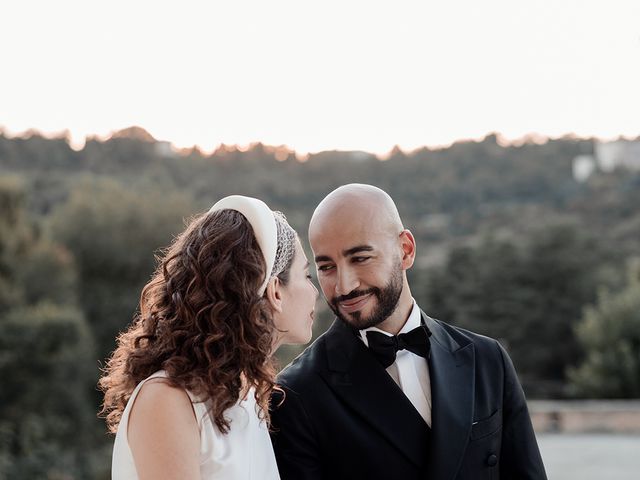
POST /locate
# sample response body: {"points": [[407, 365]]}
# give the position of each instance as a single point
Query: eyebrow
{"points": [[359, 248], [348, 252]]}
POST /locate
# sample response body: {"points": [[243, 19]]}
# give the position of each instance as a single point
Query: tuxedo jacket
{"points": [[342, 416]]}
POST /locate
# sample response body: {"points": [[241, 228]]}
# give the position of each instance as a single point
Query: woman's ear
{"points": [[274, 294]]}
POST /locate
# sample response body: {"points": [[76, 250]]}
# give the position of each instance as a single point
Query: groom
{"points": [[388, 392]]}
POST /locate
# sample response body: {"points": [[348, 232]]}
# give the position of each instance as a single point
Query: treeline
{"points": [[509, 245]]}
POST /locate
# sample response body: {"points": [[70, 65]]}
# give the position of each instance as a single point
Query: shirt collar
{"points": [[412, 322]]}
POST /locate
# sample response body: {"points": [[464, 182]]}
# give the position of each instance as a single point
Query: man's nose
{"points": [[347, 281]]}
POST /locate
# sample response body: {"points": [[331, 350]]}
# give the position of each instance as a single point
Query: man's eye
{"points": [[360, 259], [324, 268]]}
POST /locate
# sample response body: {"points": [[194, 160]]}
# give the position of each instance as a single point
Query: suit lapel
{"points": [[365, 386], [451, 369]]}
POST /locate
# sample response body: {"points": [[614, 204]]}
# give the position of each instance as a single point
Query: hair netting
{"points": [[286, 244]]}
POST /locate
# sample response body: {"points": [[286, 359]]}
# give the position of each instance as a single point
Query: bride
{"points": [[187, 389]]}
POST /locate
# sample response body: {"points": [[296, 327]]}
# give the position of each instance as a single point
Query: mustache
{"points": [[354, 294]]}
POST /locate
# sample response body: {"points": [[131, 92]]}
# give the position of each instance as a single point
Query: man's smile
{"points": [[355, 304]]}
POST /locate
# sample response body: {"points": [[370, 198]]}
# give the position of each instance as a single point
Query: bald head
{"points": [[362, 251], [358, 203]]}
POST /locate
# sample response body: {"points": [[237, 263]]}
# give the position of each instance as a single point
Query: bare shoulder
{"points": [[159, 396], [158, 405], [163, 432]]}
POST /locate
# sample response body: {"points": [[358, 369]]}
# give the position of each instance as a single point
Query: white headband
{"points": [[263, 223]]}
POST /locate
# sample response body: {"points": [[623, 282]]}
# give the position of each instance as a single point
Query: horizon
{"points": [[354, 76], [503, 141]]}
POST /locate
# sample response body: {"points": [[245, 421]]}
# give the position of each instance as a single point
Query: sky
{"points": [[348, 74]]}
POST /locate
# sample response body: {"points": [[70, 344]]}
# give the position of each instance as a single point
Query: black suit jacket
{"points": [[343, 416]]}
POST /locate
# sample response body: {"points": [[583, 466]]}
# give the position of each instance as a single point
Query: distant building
{"points": [[583, 167], [164, 149], [620, 153], [607, 157]]}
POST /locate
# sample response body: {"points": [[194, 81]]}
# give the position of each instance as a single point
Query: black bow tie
{"points": [[385, 347]]}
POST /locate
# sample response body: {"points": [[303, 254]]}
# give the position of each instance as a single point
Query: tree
{"points": [[46, 413], [609, 333], [528, 295], [14, 240], [113, 233], [46, 352]]}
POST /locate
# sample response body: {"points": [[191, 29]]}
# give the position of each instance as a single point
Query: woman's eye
{"points": [[309, 276]]}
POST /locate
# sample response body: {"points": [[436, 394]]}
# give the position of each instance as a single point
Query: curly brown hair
{"points": [[201, 320]]}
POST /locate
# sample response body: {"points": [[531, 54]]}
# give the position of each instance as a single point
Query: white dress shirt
{"points": [[410, 371]]}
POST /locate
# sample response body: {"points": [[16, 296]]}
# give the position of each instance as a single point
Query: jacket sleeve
{"points": [[520, 457], [294, 440]]}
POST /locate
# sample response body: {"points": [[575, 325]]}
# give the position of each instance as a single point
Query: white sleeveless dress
{"points": [[244, 453]]}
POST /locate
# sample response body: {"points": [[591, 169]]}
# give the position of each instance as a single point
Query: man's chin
{"points": [[357, 319]]}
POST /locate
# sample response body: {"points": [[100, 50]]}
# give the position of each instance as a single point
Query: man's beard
{"points": [[388, 298]]}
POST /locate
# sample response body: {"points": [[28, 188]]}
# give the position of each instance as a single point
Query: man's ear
{"points": [[274, 294], [408, 245]]}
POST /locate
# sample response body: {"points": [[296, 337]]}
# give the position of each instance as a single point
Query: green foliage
{"points": [[78, 230], [32, 268], [112, 232], [45, 407], [14, 238], [48, 274], [528, 295], [46, 353], [610, 335]]}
